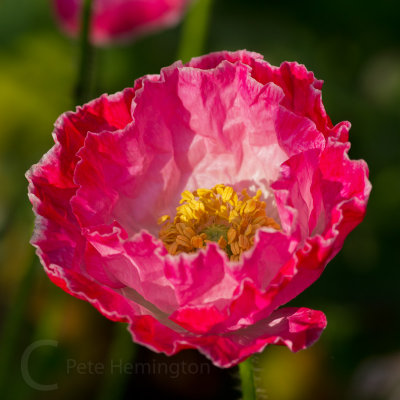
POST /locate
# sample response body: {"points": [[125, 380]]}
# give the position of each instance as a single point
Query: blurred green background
{"points": [[353, 46]]}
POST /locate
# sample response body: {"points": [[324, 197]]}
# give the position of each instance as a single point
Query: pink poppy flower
{"points": [[115, 20], [195, 204]]}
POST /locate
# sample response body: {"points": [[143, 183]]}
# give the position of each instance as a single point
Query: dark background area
{"points": [[355, 48]]}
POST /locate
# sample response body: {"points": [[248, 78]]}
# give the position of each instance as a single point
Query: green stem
{"points": [[83, 84], [247, 379], [194, 30]]}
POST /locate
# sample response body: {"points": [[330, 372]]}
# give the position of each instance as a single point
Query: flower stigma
{"points": [[215, 215]]}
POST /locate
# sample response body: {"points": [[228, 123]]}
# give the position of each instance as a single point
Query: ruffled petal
{"points": [[57, 237], [296, 328]]}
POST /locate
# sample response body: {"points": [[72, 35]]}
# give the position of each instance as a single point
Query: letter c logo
{"points": [[25, 367]]}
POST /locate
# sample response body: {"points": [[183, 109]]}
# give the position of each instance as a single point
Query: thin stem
{"points": [[247, 379], [83, 84], [194, 30]]}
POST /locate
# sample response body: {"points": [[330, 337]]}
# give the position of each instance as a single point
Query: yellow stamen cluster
{"points": [[215, 215]]}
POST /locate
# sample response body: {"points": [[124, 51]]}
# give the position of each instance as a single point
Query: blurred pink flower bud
{"points": [[119, 20]]}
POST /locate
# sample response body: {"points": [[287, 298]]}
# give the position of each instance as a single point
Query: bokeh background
{"points": [[354, 46]]}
